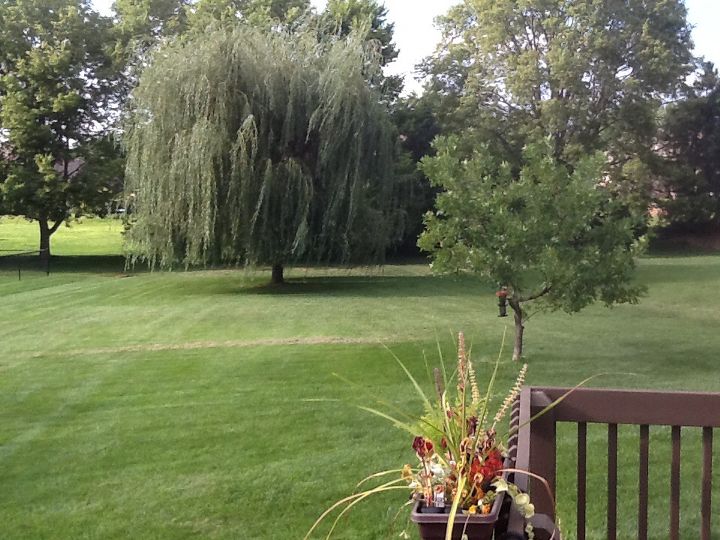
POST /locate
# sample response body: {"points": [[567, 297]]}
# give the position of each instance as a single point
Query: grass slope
{"points": [[203, 405]]}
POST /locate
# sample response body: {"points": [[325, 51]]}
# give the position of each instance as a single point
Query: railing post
{"points": [[542, 455]]}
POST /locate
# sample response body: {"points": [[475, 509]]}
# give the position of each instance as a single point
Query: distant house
{"points": [[6, 152], [74, 166]]}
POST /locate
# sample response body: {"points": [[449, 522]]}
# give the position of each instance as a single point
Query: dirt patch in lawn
{"points": [[192, 345]]}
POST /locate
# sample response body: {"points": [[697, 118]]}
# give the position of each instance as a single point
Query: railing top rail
{"points": [[617, 406]]}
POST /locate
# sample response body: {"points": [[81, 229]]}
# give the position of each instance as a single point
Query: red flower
{"points": [[422, 447], [492, 464], [482, 473], [475, 470]]}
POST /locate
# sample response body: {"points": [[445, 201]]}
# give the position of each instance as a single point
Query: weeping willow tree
{"points": [[259, 148]]}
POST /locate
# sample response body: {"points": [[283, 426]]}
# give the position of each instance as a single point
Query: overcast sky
{"points": [[416, 36]]}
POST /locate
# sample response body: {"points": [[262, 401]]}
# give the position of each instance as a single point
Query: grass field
{"points": [[202, 404]]}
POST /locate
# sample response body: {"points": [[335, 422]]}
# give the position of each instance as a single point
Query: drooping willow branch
{"points": [[259, 148]]}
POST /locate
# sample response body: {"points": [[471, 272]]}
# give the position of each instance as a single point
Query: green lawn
{"points": [[139, 404]]}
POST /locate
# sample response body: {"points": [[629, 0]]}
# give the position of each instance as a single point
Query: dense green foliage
{"points": [[143, 23], [259, 13], [56, 89], [688, 164], [341, 17], [590, 74], [259, 148], [140, 416], [556, 238], [417, 126]]}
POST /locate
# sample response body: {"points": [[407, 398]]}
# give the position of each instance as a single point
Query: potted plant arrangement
{"points": [[460, 479]]}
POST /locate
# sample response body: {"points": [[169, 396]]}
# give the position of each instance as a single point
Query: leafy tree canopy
{"points": [[589, 73], [261, 148], [554, 238], [584, 77], [260, 13], [56, 89], [688, 164], [341, 17], [141, 23]]}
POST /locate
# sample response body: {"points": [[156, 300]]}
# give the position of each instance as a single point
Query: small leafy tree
{"points": [[556, 238], [257, 147], [56, 90]]}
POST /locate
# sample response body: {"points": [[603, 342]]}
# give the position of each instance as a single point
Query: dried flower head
{"points": [[462, 363], [473, 384], [511, 397], [423, 447]]}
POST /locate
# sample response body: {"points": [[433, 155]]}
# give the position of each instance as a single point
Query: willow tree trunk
{"points": [[519, 329], [277, 274]]}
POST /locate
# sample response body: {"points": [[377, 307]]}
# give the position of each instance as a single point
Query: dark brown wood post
{"points": [[542, 454]]}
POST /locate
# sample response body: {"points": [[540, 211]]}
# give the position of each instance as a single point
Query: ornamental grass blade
{"points": [[486, 403], [385, 487], [377, 475], [399, 424], [453, 510], [442, 360], [361, 497], [418, 388], [362, 390], [562, 398], [395, 421]]}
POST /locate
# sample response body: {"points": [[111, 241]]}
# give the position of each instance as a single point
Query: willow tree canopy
{"points": [[259, 148]]}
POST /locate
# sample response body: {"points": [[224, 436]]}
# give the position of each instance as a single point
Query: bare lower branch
{"points": [[535, 296]]}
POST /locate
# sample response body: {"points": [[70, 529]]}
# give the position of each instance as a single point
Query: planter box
{"points": [[479, 527]]}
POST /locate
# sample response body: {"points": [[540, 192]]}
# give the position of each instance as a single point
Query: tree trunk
{"points": [[519, 329], [44, 241], [277, 274], [46, 231]]}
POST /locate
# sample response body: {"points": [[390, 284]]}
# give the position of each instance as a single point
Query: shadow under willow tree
{"points": [[259, 148]]}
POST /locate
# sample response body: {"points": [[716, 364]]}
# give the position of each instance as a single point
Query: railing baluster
{"points": [[675, 485], [706, 482], [643, 482], [581, 479], [612, 483]]}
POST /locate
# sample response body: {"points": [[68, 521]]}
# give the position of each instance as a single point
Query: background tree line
{"points": [[67, 75], [264, 132]]}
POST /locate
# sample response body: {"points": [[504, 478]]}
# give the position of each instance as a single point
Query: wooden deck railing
{"points": [[535, 448]]}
